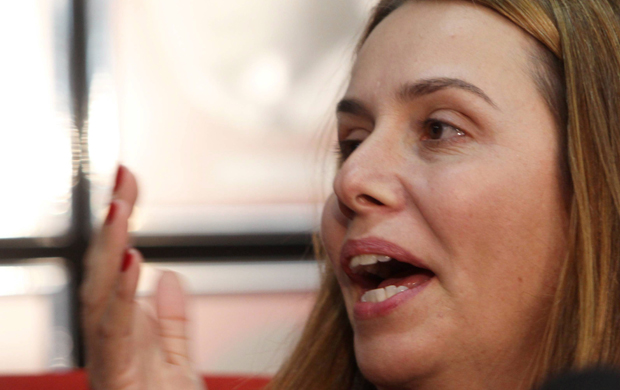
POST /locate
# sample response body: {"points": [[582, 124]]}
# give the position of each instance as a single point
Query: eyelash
{"points": [[346, 147]]}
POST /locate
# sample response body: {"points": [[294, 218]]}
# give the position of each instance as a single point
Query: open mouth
{"points": [[382, 277]]}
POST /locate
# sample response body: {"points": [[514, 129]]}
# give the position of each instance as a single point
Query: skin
{"points": [[127, 346], [484, 206]]}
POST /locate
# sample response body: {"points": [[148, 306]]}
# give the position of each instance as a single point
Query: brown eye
{"points": [[437, 130]]}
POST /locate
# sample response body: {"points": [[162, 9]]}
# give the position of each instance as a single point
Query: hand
{"points": [[128, 348]]}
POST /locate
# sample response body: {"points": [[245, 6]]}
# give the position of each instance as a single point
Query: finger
{"points": [[112, 239], [104, 257], [170, 306], [115, 329], [125, 186]]}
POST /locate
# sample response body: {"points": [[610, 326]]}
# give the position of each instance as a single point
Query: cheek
{"points": [[503, 229], [333, 234], [333, 230]]}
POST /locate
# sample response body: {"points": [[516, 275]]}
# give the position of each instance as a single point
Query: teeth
{"points": [[391, 290], [381, 294], [368, 260]]}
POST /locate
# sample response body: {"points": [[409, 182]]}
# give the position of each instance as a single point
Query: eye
{"points": [[437, 130], [346, 147]]}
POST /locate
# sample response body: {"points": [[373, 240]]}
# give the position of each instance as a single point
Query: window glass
{"points": [[35, 130], [219, 107], [34, 307], [222, 296]]}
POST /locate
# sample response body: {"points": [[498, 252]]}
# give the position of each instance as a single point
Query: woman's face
{"points": [[451, 166]]}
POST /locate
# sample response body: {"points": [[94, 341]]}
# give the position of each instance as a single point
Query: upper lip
{"points": [[376, 246]]}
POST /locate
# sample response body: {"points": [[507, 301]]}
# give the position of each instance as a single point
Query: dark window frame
{"points": [[73, 245]]}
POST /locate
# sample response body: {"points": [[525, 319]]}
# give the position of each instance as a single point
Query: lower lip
{"points": [[369, 310]]}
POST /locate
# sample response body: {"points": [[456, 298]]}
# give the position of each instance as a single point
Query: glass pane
{"points": [[34, 307], [35, 130], [222, 108], [277, 296]]}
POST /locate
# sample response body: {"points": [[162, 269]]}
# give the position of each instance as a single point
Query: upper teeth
{"points": [[368, 260]]}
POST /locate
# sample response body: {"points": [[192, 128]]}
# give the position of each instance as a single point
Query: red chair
{"points": [[76, 380]]}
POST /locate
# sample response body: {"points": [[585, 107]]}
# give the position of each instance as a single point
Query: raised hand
{"points": [[127, 347]]}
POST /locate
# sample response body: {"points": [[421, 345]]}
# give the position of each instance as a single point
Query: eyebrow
{"points": [[354, 107], [411, 91]]}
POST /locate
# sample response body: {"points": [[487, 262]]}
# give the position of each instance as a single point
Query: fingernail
{"points": [[111, 213], [119, 178], [126, 261]]}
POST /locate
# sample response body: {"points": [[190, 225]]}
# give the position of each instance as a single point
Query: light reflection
{"points": [[34, 307], [14, 281], [219, 108], [35, 132], [61, 358], [33, 278], [103, 141], [103, 135], [267, 79]]}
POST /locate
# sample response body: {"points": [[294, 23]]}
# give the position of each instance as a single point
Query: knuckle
{"points": [[176, 357], [107, 330], [172, 328], [125, 293], [91, 302], [104, 331]]}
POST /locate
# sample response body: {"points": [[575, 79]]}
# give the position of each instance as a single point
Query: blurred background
{"points": [[224, 111]]}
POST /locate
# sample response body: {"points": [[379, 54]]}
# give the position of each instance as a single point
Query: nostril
{"points": [[366, 199]]}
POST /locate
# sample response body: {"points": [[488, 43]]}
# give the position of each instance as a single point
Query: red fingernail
{"points": [[126, 261], [111, 213], [119, 178]]}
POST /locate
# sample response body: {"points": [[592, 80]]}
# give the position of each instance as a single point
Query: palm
{"points": [[128, 348]]}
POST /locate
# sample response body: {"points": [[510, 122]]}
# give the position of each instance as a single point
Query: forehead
{"points": [[435, 39]]}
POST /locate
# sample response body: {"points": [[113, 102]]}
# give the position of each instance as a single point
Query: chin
{"points": [[389, 362]]}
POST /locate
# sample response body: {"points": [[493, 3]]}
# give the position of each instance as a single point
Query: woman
{"points": [[473, 231]]}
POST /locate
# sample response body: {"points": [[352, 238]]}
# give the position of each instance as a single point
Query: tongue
{"points": [[409, 280]]}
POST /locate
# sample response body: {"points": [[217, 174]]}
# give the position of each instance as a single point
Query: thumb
{"points": [[170, 306]]}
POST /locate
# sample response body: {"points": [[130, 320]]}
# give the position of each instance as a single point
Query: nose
{"points": [[369, 180]]}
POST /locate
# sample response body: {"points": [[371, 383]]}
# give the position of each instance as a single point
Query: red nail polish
{"points": [[126, 261], [119, 178], [111, 213]]}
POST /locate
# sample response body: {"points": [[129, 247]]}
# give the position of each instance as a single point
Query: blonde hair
{"points": [[577, 69]]}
